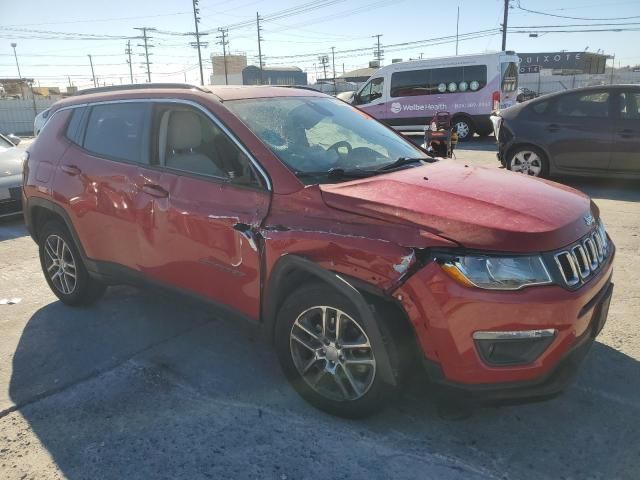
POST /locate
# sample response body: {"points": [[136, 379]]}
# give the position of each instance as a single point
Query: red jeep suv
{"points": [[362, 257]]}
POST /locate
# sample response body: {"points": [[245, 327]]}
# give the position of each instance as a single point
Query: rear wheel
{"points": [[465, 129], [327, 354], [528, 160], [63, 268]]}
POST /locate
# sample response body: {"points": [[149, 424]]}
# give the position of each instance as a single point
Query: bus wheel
{"points": [[464, 128]]}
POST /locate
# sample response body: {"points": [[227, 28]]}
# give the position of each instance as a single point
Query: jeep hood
{"points": [[478, 208]]}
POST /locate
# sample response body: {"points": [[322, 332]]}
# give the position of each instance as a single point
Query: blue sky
{"points": [[346, 25]]}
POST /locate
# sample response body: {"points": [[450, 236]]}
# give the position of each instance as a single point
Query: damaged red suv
{"points": [[361, 257]]}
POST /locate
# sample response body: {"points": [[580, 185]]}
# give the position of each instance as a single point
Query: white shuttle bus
{"points": [[405, 95]]}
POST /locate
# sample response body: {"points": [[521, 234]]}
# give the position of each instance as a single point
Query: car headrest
{"points": [[184, 130]]}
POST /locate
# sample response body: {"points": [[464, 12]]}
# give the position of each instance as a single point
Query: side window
{"points": [[509, 74], [539, 108], [371, 91], [73, 129], [629, 105], [188, 141], [119, 131], [438, 81], [592, 104]]}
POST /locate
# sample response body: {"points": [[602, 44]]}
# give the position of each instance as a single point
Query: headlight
{"points": [[496, 273]]}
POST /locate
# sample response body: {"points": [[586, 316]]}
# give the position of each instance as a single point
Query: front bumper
{"points": [[446, 315], [546, 387]]}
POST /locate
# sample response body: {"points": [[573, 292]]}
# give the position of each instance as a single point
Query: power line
{"points": [[520, 7]]}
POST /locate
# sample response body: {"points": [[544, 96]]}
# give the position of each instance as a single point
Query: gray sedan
{"points": [[10, 178]]}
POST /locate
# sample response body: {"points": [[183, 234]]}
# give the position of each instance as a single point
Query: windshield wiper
{"points": [[402, 161], [337, 173], [352, 173]]}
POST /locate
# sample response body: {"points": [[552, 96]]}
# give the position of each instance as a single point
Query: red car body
{"points": [[378, 235]]}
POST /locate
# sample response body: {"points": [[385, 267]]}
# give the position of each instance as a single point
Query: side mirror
{"points": [[14, 139]]}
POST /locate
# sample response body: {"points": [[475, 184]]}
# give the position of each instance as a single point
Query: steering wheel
{"points": [[341, 143]]}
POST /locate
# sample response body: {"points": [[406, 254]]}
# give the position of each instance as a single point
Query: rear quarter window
{"points": [[75, 124]]}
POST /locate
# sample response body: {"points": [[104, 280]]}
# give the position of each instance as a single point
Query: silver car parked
{"points": [[11, 158]]}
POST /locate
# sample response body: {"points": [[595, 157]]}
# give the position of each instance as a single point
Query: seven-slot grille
{"points": [[583, 259]]}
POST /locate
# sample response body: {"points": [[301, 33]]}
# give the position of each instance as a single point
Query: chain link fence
{"points": [[542, 84]]}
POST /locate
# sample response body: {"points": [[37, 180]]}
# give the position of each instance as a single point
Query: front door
{"points": [[579, 131], [625, 153], [205, 238]]}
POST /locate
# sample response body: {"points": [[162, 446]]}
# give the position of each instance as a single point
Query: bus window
{"points": [[437, 81], [509, 75]]}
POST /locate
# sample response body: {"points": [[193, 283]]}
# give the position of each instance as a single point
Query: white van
{"points": [[406, 95]]}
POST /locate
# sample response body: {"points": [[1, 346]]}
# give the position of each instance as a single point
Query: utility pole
{"points": [[224, 42], [613, 66], [333, 58], [324, 59], [146, 46], [457, 29], [14, 45], [93, 75], [69, 77], [504, 25], [378, 52], [128, 52], [196, 20], [259, 47]]}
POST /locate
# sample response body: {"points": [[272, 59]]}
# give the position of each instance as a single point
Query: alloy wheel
{"points": [[332, 353], [463, 129], [527, 162], [60, 265]]}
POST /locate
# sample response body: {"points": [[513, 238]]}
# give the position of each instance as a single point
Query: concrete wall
{"points": [[16, 116]]}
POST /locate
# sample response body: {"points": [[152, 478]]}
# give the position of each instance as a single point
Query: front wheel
{"points": [[327, 354], [465, 129], [528, 160], [63, 267]]}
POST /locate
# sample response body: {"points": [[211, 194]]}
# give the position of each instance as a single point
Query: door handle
{"points": [[71, 170], [154, 190], [553, 127], [626, 133]]}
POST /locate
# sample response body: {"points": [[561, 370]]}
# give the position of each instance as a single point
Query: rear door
{"points": [[578, 131], [204, 237], [100, 174], [625, 153]]}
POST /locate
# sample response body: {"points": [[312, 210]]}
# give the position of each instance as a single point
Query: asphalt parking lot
{"points": [[144, 385]]}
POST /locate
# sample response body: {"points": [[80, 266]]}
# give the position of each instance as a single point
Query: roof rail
{"points": [[301, 87], [141, 86]]}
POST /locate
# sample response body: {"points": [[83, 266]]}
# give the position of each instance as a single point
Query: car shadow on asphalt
{"points": [[605, 188], [144, 385], [12, 227]]}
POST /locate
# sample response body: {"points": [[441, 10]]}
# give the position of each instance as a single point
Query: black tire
{"points": [[533, 154], [378, 392], [464, 126], [85, 290]]}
